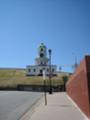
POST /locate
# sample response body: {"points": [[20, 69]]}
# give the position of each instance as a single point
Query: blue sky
{"points": [[63, 25]]}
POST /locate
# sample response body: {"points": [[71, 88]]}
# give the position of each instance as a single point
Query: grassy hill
{"points": [[14, 77]]}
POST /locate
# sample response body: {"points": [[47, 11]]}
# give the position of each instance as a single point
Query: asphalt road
{"points": [[13, 104]]}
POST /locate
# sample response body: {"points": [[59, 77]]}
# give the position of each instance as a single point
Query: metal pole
{"points": [[45, 94], [50, 82]]}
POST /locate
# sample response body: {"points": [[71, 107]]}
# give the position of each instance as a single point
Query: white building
{"points": [[42, 63]]}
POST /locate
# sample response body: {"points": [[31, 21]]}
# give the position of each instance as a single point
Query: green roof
{"points": [[42, 45]]}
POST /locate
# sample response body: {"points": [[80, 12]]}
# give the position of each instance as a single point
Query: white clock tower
{"points": [[41, 63], [42, 59]]}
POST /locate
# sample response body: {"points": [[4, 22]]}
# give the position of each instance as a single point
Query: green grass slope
{"points": [[14, 77]]}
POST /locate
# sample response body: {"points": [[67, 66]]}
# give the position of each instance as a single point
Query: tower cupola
{"points": [[42, 51], [42, 55]]}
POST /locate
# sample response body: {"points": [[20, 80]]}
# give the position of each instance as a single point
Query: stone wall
{"points": [[78, 86], [40, 88]]}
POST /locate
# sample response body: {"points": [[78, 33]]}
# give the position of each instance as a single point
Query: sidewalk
{"points": [[59, 107]]}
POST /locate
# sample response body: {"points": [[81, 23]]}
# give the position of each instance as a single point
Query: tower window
{"points": [[41, 49]]}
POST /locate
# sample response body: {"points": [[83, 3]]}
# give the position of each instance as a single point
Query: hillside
{"points": [[14, 77]]}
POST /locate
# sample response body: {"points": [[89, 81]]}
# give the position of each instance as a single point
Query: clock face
{"points": [[41, 55]]}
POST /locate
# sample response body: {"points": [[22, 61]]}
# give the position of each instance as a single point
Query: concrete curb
{"points": [[27, 115]]}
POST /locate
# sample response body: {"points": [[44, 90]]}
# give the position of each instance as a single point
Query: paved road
{"points": [[13, 104]]}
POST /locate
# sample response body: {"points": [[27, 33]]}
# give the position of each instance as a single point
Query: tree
{"points": [[65, 79]]}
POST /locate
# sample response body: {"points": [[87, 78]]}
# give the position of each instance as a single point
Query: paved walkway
{"points": [[59, 107]]}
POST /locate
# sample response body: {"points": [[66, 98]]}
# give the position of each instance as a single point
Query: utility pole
{"points": [[50, 81]]}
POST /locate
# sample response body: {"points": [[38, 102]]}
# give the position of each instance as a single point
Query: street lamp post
{"points": [[50, 82]]}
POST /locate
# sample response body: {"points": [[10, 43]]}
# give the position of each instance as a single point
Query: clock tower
{"points": [[42, 59], [41, 63]]}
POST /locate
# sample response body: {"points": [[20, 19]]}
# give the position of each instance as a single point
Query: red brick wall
{"points": [[78, 86], [88, 76]]}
